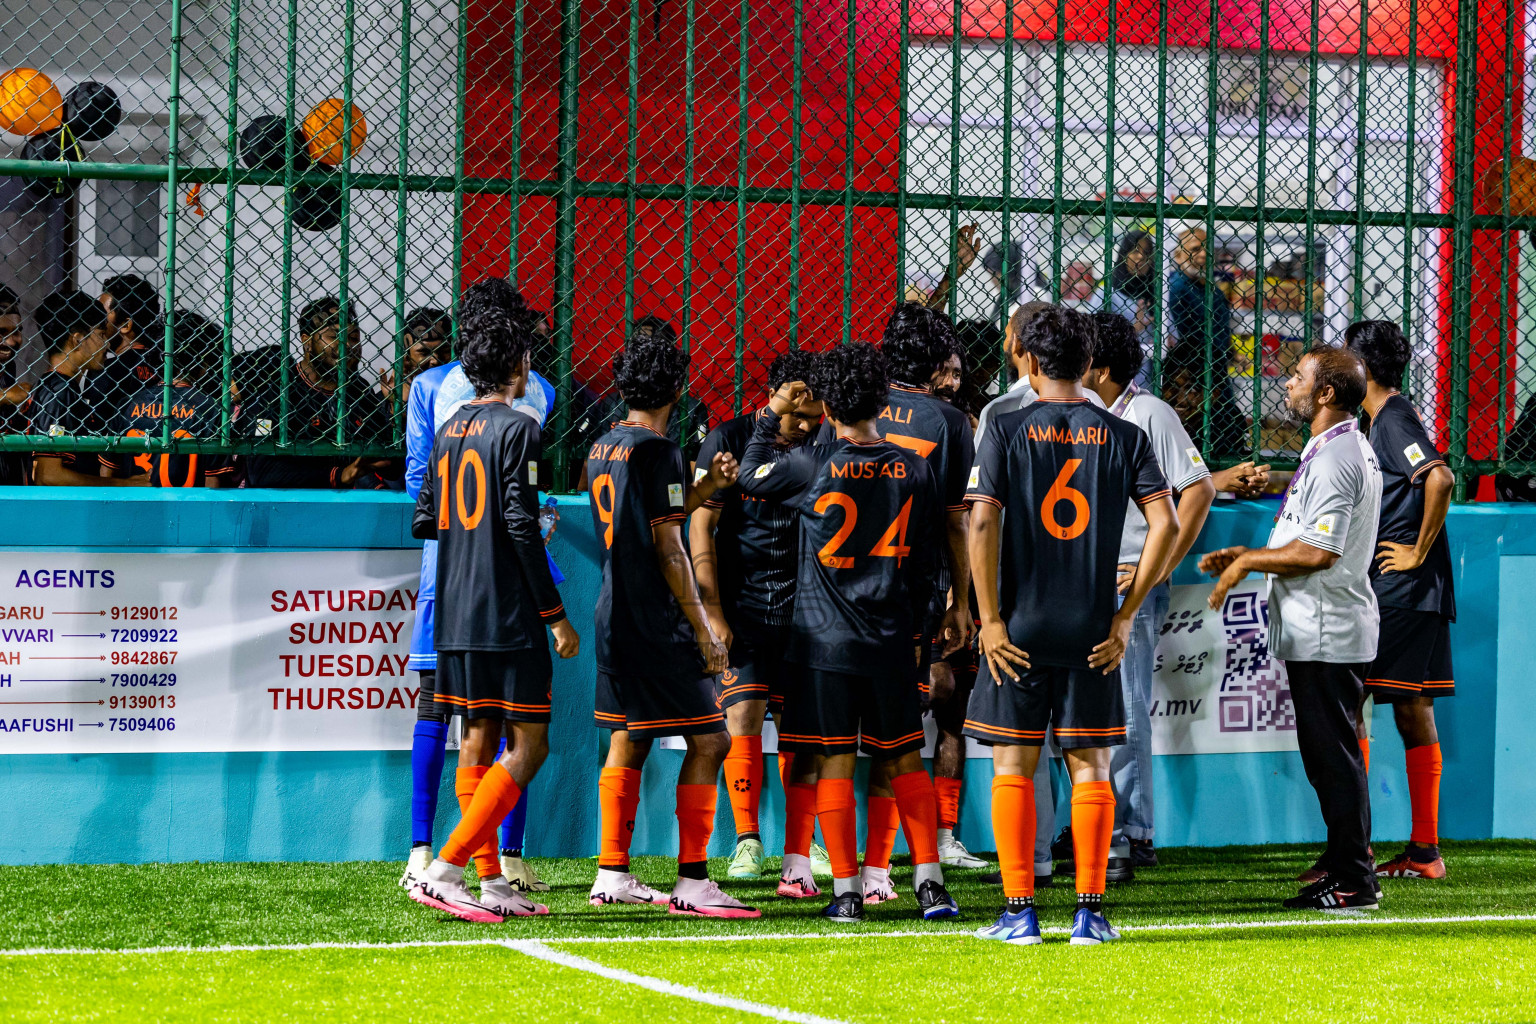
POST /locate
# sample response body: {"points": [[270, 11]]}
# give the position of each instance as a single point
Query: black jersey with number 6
{"points": [[868, 544], [1065, 472], [636, 481], [480, 502]]}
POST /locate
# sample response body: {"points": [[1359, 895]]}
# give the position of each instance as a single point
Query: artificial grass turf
{"points": [[1336, 971], [122, 906]]}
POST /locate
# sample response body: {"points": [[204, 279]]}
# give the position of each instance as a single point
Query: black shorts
{"points": [[1082, 706], [950, 714], [834, 713], [510, 685], [758, 670], [1413, 658], [649, 706]]}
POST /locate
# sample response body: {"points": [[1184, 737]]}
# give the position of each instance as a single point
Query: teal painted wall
{"points": [[356, 805]]}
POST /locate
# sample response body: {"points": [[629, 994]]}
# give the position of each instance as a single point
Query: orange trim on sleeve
{"points": [[983, 497], [555, 614], [675, 517], [1425, 469], [1164, 493]]}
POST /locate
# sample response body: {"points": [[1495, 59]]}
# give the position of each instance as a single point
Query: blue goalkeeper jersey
{"points": [[437, 394]]}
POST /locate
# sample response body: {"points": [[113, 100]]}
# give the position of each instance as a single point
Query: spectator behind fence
{"points": [[13, 394], [312, 415], [424, 343], [62, 404], [1132, 290], [584, 422], [1520, 446], [1184, 389], [138, 342], [1201, 320], [196, 411], [981, 347]]}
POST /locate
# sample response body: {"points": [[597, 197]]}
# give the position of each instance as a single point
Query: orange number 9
{"points": [[601, 486]]}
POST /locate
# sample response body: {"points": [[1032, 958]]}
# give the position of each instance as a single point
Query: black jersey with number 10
{"points": [[480, 501], [868, 541], [1065, 472]]}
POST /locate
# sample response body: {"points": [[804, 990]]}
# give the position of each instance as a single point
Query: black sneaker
{"points": [[845, 909], [1061, 849], [1119, 870], [935, 901], [1143, 854], [1332, 893]]}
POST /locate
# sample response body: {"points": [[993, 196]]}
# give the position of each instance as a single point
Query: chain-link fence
{"points": [[281, 201]]}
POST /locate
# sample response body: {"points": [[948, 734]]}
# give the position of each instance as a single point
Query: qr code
{"points": [[1255, 692]]}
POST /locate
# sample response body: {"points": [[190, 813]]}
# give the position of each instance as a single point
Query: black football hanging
{"points": [[262, 147], [48, 147], [92, 111], [316, 207]]}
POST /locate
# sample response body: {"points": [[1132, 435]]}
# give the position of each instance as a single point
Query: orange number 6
{"points": [[1059, 493]]}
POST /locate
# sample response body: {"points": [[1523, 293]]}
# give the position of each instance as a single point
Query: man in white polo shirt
{"points": [[1323, 617]]}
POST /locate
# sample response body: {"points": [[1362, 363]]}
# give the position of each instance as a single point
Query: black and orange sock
{"points": [[465, 781], [947, 792], [493, 798], [618, 796], [880, 827], [919, 815], [1093, 823], [799, 819], [744, 783], [1424, 768], [838, 811], [1013, 826]]}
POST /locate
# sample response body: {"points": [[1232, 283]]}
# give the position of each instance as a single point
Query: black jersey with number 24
{"points": [[1065, 472], [480, 501], [636, 481], [868, 543]]}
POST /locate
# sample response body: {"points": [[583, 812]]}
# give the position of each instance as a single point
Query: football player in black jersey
{"points": [[658, 655], [1412, 580], [863, 608], [1051, 637], [745, 555], [495, 595]]}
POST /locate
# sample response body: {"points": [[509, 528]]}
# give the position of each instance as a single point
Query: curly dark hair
{"points": [[492, 347], [653, 327], [1342, 370], [489, 293], [852, 381], [917, 341], [1381, 347], [796, 364], [135, 298], [316, 314], [1062, 339], [66, 313], [650, 372], [1116, 347]]}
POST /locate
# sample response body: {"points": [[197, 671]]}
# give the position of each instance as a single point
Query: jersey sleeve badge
{"points": [[975, 480], [1414, 454], [675, 494], [533, 473], [699, 473], [1195, 458], [1325, 524], [763, 471]]}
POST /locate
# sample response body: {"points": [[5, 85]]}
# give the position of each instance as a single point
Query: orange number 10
{"points": [[467, 519]]}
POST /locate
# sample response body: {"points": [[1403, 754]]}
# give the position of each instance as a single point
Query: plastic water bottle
{"points": [[549, 515]]}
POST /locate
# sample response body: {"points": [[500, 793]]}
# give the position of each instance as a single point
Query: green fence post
{"points": [[1112, 31], [402, 215], [1208, 309], [796, 174], [850, 116], [285, 365], [1004, 298], [1461, 244], [565, 218], [743, 127], [344, 255], [1057, 164], [231, 162], [1411, 173], [903, 119], [631, 163], [515, 144], [688, 210], [1159, 271], [1505, 151], [1309, 272], [173, 154], [953, 292], [1357, 270], [1256, 432], [461, 89]]}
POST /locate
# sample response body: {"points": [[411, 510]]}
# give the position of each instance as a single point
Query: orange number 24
{"points": [[892, 543]]}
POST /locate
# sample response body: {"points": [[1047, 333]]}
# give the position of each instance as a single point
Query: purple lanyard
{"points": [[1124, 401], [1317, 446]]}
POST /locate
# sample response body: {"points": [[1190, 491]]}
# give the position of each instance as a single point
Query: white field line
{"points": [[1324, 921], [540, 951]]}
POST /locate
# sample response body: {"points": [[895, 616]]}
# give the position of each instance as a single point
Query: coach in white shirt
{"points": [[1323, 618]]}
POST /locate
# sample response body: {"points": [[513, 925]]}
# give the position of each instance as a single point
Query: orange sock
{"points": [[1424, 765], [1093, 823], [919, 815], [618, 795], [838, 811], [465, 781], [1013, 826], [786, 764], [493, 800], [744, 781], [695, 821], [1365, 752], [799, 818], [947, 792], [880, 832]]}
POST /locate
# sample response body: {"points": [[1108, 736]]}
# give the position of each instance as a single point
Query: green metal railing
{"points": [[763, 175]]}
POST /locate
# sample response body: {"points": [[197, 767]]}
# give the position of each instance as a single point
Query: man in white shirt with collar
{"points": [[1323, 617]]}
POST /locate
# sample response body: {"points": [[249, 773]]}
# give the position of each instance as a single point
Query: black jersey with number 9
{"points": [[1064, 471]]}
